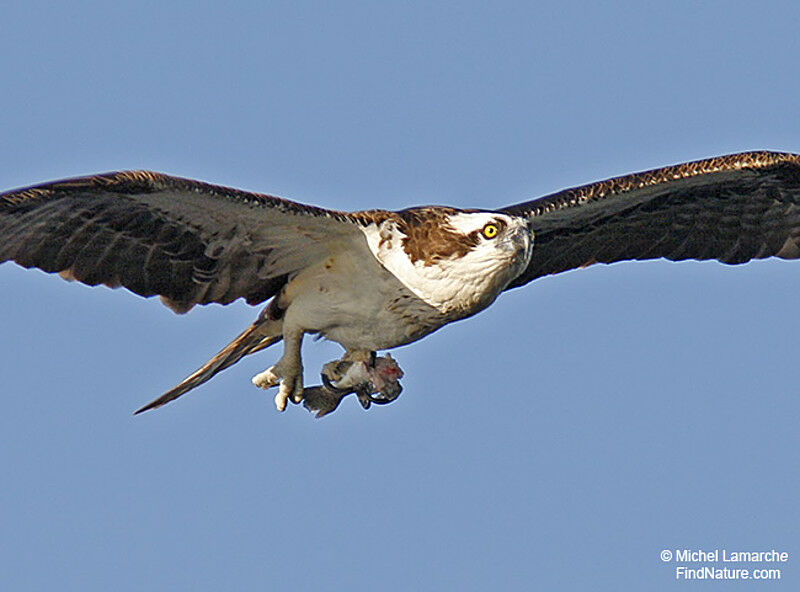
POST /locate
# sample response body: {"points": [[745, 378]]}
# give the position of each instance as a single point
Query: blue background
{"points": [[559, 440]]}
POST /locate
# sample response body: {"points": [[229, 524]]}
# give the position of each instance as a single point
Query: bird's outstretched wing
{"points": [[731, 208], [190, 242]]}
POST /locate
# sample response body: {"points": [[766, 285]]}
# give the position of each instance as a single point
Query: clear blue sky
{"points": [[558, 440]]}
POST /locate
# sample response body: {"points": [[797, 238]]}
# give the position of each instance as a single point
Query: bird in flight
{"points": [[373, 280]]}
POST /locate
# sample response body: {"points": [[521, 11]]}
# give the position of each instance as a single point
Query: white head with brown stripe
{"points": [[457, 261]]}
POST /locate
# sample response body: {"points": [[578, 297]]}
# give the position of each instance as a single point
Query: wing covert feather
{"points": [[190, 242]]}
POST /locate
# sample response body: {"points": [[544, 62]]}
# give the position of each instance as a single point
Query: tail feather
{"points": [[253, 339]]}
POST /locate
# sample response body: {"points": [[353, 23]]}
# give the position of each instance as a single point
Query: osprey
{"points": [[376, 279]]}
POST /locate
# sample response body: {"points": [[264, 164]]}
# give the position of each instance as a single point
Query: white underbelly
{"points": [[357, 303]]}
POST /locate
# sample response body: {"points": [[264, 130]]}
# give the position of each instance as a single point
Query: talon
{"points": [[266, 379], [280, 401], [297, 395], [296, 389], [290, 385], [271, 377], [334, 370]]}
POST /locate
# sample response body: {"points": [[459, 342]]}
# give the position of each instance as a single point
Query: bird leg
{"points": [[288, 372], [373, 379]]}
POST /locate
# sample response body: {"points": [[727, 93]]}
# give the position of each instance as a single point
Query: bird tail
{"points": [[255, 338]]}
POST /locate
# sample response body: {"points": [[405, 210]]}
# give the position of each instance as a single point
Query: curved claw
{"points": [[290, 385], [328, 383], [387, 395]]}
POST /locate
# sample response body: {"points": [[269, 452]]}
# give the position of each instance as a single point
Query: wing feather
{"points": [[187, 241], [732, 208]]}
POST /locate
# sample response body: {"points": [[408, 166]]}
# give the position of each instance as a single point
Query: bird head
{"points": [[456, 260]]}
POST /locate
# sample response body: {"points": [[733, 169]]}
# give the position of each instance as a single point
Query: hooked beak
{"points": [[519, 242]]}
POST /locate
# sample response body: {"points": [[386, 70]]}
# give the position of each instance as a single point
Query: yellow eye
{"points": [[489, 231]]}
